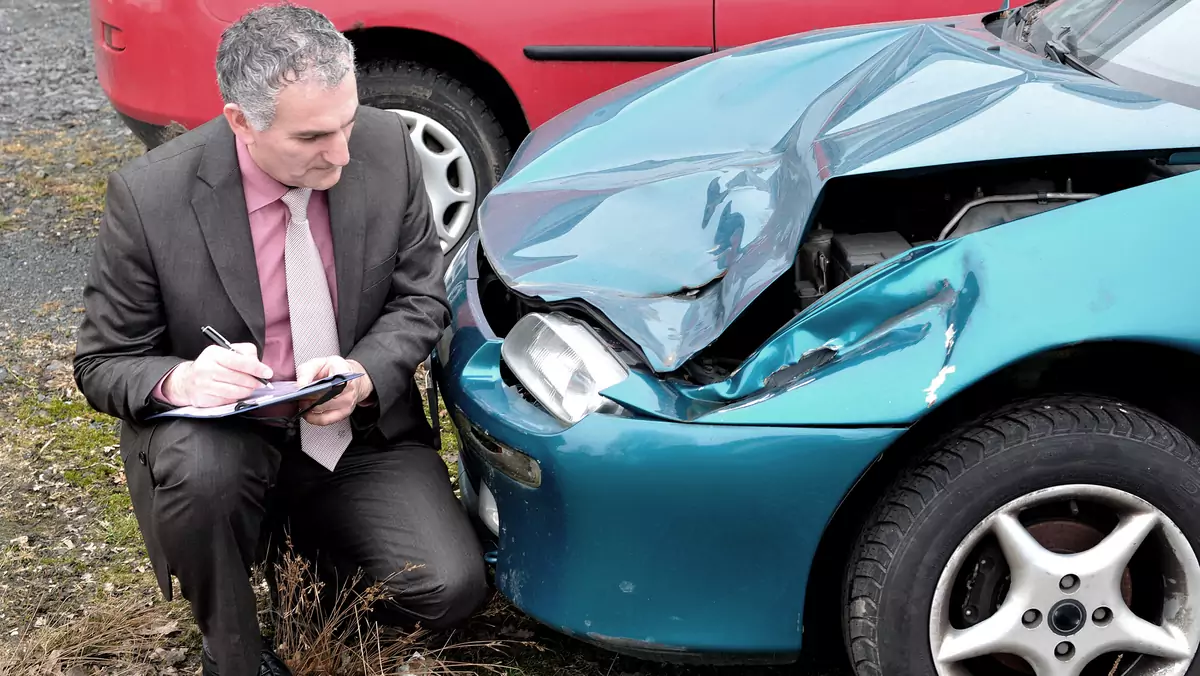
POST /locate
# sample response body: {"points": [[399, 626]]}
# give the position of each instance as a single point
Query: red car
{"points": [[471, 77]]}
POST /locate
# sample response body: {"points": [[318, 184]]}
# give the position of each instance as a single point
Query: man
{"points": [[297, 225]]}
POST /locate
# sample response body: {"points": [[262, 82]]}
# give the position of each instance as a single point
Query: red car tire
{"points": [[445, 118]]}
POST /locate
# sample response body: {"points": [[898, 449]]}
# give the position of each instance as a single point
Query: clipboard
{"points": [[283, 391]]}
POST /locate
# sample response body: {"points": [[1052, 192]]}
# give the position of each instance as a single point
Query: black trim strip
{"points": [[612, 53]]}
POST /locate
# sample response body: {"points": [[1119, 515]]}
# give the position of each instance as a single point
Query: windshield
{"points": [[1152, 46]]}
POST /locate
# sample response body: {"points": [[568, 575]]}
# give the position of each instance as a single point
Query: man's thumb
{"points": [[306, 371]]}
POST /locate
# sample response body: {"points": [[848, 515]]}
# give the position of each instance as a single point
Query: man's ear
{"points": [[237, 121]]}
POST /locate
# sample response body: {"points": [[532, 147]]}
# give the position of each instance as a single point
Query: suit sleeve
{"points": [[417, 312], [120, 355]]}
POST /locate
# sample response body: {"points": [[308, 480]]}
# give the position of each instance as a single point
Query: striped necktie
{"points": [[313, 325]]}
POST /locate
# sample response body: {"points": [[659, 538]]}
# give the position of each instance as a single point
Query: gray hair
{"points": [[273, 46]]}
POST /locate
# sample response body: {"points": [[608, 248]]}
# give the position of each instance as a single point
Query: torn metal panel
{"points": [[919, 330], [630, 198]]}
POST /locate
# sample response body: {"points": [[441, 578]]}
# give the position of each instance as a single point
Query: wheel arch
{"points": [[385, 43], [1128, 370]]}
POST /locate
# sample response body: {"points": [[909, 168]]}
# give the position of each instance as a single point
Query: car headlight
{"points": [[562, 363]]}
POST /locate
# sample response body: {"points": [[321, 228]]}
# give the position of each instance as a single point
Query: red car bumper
{"points": [[154, 61]]}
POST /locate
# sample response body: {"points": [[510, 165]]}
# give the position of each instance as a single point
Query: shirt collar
{"points": [[258, 185]]}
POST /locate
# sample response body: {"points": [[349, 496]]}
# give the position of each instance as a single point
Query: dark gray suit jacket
{"points": [[174, 253]]}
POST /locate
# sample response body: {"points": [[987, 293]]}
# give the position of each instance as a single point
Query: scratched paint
{"points": [[938, 381]]}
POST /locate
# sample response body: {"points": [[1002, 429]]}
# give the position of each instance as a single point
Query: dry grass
{"points": [[75, 586], [119, 637], [316, 635]]}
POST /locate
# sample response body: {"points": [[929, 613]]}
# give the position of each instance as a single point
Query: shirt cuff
{"points": [[158, 393]]}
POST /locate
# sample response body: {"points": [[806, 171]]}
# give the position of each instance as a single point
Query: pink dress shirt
{"points": [[268, 229]]}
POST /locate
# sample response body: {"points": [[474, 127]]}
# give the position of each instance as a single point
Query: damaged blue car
{"points": [[880, 339]]}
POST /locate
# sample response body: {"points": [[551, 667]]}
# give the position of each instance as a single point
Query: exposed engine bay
{"points": [[827, 259], [862, 221], [865, 220]]}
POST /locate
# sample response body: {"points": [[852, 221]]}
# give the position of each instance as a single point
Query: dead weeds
{"points": [[338, 637], [118, 636]]}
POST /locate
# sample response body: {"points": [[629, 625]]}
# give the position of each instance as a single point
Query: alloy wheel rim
{"points": [[1061, 612], [448, 172]]}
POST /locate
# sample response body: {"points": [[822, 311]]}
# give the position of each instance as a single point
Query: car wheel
{"points": [[1051, 538], [463, 148]]}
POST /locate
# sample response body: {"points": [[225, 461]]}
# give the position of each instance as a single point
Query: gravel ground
{"points": [[47, 67], [50, 95]]}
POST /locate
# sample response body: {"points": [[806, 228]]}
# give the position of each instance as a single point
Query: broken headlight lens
{"points": [[562, 363]]}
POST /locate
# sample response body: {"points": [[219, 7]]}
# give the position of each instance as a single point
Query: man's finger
{"points": [[236, 378], [340, 401], [310, 371], [338, 366], [326, 417], [225, 393], [239, 362]]}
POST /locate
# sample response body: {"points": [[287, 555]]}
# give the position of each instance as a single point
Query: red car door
{"points": [[740, 22], [575, 50]]}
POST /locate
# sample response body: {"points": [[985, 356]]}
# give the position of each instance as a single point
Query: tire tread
{"points": [[439, 79]]}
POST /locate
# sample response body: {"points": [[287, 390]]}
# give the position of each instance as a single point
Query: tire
{"points": [[423, 93], [889, 612]]}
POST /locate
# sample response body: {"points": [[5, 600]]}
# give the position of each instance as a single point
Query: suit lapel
{"points": [[347, 221], [220, 206]]}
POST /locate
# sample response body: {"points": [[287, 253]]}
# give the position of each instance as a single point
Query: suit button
{"points": [[142, 457]]}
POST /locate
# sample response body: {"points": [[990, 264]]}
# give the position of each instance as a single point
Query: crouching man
{"points": [[297, 225]]}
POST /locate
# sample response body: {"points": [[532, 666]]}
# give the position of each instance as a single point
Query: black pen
{"points": [[218, 339]]}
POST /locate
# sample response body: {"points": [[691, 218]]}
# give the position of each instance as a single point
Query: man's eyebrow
{"points": [[323, 132]]}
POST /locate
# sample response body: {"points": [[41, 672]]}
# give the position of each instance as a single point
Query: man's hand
{"points": [[218, 376], [341, 406]]}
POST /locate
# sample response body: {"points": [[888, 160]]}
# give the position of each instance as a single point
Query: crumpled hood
{"points": [[671, 202]]}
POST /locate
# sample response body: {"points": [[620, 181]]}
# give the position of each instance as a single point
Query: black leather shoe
{"points": [[270, 665]]}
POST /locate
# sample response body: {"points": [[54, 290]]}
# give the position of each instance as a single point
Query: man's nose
{"points": [[339, 151]]}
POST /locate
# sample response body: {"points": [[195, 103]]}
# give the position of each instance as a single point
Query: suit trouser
{"points": [[219, 486]]}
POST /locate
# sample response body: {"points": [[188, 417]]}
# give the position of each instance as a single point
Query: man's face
{"points": [[306, 145]]}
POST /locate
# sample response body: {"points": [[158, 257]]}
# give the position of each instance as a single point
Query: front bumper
{"points": [[654, 538]]}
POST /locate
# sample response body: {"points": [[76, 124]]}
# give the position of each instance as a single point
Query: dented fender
{"points": [[926, 325]]}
